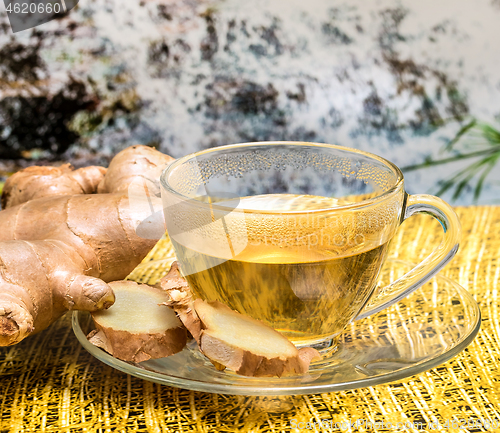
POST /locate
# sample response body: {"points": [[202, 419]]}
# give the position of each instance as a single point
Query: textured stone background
{"points": [[398, 78]]}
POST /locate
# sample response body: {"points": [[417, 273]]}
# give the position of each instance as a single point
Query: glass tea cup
{"points": [[295, 234]]}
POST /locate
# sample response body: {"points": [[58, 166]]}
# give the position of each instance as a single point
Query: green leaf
{"points": [[460, 134], [461, 187], [484, 175], [491, 135], [483, 142]]}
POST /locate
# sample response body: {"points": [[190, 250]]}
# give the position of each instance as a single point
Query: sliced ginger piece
{"points": [[247, 346], [233, 340], [137, 327], [180, 299]]}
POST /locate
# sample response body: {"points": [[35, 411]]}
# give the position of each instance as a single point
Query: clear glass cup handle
{"points": [[425, 270]]}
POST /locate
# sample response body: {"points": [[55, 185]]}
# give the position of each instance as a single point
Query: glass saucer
{"points": [[424, 330]]}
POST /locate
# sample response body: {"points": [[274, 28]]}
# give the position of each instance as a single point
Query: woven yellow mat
{"points": [[49, 383]]}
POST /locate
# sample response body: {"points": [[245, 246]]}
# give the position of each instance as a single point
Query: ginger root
{"points": [[232, 340], [58, 252], [135, 163], [137, 327], [37, 182]]}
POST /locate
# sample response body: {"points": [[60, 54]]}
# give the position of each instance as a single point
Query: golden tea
{"points": [[303, 276]]}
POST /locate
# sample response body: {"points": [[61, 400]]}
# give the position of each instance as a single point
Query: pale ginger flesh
{"points": [[137, 327]]}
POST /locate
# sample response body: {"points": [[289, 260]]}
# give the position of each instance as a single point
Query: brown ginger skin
{"points": [[40, 181], [53, 282], [57, 253], [135, 163], [179, 297]]}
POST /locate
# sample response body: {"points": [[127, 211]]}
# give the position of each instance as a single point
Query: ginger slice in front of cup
{"points": [[137, 327]]}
